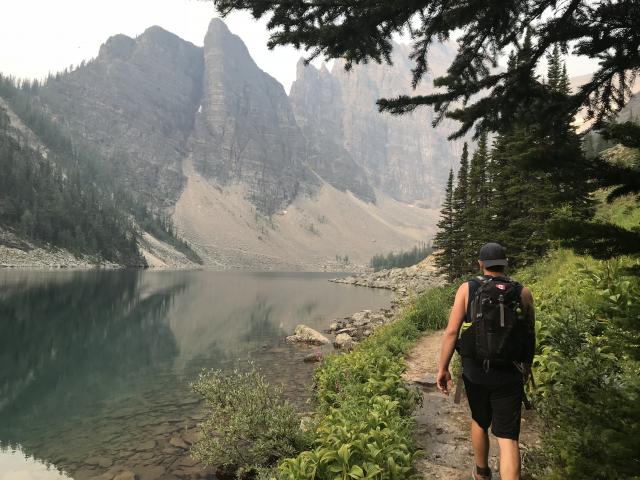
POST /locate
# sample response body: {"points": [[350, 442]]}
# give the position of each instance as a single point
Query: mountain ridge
{"points": [[166, 115]]}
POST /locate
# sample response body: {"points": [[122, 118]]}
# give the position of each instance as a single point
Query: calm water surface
{"points": [[95, 366]]}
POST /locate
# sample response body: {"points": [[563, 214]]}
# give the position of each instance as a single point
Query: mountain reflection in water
{"points": [[97, 364]]}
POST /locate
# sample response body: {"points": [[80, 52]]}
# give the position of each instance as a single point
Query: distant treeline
{"points": [[401, 259], [76, 165]]}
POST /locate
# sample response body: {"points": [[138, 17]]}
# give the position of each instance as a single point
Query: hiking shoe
{"points": [[476, 476]]}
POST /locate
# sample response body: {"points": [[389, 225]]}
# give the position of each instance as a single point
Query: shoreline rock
{"points": [[403, 281], [304, 334]]}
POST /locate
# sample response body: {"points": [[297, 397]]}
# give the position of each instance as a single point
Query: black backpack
{"points": [[495, 332]]}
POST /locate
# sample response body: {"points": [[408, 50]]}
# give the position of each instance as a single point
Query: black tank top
{"points": [[472, 369]]}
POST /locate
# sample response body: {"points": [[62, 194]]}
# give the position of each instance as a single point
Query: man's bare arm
{"points": [[456, 317]]}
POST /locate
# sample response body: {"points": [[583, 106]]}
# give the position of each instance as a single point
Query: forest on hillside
{"points": [[69, 196], [45, 205]]}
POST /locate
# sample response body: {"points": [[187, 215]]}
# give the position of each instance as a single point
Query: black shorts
{"points": [[496, 405]]}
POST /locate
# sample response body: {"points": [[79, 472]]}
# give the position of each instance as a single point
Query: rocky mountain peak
{"points": [[118, 46], [134, 104], [245, 131], [226, 52], [158, 34]]}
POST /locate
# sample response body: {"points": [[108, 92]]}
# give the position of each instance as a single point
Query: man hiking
{"points": [[492, 327]]}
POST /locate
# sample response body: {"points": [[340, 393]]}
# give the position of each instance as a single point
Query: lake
{"points": [[95, 366]]}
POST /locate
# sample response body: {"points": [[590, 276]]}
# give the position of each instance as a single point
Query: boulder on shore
{"points": [[304, 334], [344, 341], [361, 318]]}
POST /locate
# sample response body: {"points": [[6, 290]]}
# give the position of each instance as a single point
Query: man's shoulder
{"points": [[526, 293], [463, 289]]}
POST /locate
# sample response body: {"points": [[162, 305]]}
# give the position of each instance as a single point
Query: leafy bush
{"points": [[587, 367], [365, 439], [374, 369], [249, 425]]}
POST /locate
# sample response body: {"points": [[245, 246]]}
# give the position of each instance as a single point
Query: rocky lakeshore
{"points": [[18, 253], [346, 332], [403, 281]]}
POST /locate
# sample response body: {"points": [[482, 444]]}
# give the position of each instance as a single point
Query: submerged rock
{"points": [[104, 476], [191, 437], [152, 472], [304, 334], [148, 445], [178, 443], [313, 357], [99, 462], [126, 475]]}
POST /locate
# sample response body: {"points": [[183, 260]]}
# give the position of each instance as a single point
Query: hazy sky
{"points": [[39, 36], [42, 36]]}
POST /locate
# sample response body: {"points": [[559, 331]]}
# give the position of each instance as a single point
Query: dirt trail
{"points": [[442, 429]]}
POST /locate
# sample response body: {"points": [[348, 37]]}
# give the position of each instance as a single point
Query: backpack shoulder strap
{"points": [[518, 286], [475, 284]]}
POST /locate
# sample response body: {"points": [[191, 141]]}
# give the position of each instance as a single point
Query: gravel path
{"points": [[442, 427]]}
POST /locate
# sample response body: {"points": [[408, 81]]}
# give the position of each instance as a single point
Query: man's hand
{"points": [[443, 380]]}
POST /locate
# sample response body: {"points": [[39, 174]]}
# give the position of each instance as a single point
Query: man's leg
{"points": [[506, 402], [478, 396], [509, 459], [480, 442]]}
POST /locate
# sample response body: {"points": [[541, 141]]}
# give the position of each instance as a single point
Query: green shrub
{"points": [[373, 369], [249, 426], [587, 368], [366, 439]]}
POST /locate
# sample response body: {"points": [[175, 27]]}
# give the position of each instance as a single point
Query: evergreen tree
{"points": [[444, 238], [564, 86], [525, 198], [554, 68], [478, 219], [600, 239], [460, 228], [522, 202]]}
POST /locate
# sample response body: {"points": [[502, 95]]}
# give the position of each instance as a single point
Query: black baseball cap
{"points": [[493, 254]]}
